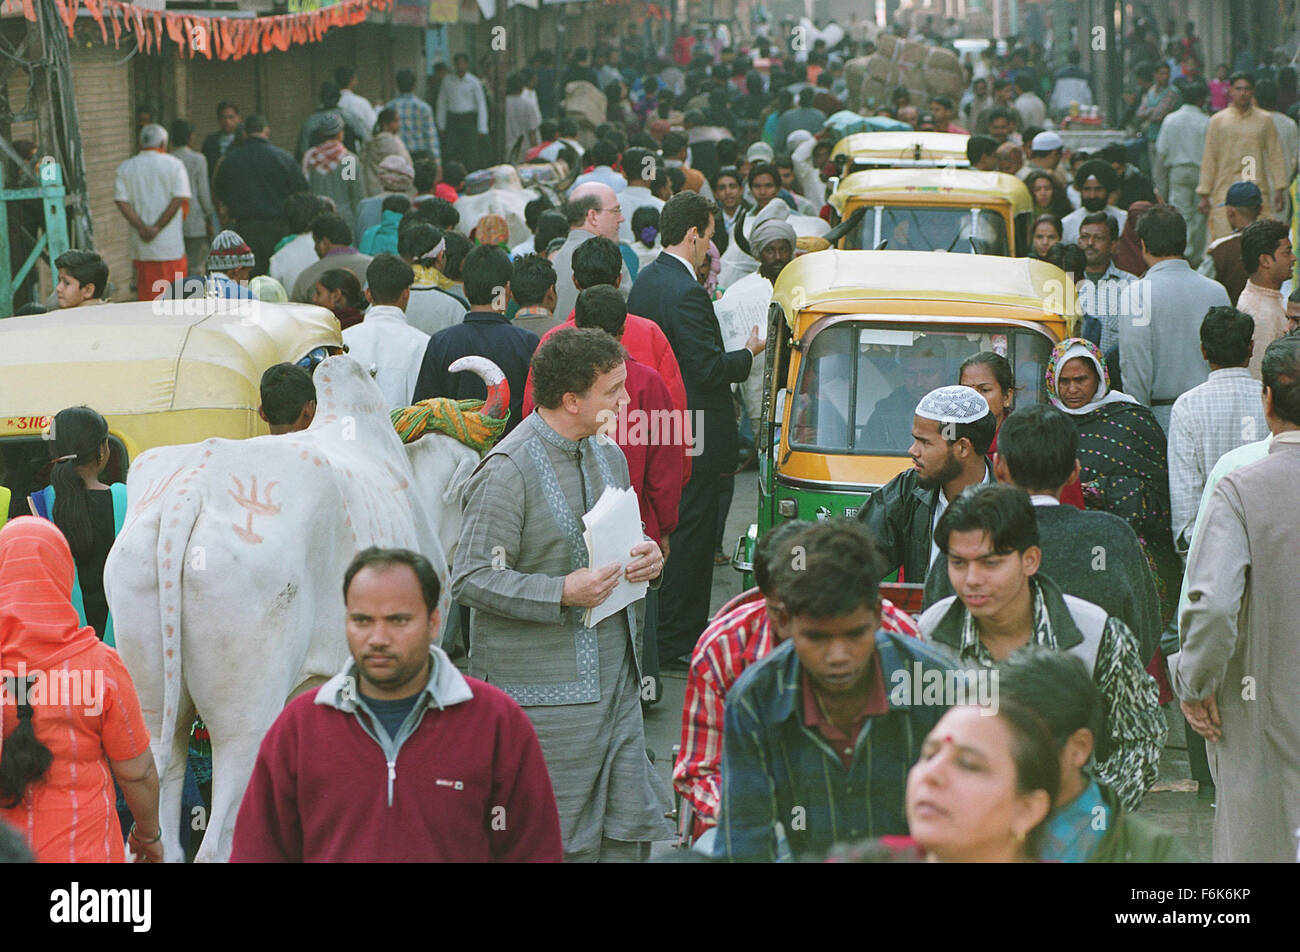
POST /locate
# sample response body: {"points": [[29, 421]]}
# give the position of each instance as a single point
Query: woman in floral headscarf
{"points": [[1123, 459]]}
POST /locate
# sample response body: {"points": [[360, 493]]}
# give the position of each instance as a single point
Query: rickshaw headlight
{"points": [[787, 508]]}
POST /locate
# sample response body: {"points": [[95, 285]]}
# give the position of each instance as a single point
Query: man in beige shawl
{"points": [[1238, 672], [1241, 143]]}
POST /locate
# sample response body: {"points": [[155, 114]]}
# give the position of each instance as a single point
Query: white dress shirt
{"points": [[390, 349], [462, 94], [940, 506]]}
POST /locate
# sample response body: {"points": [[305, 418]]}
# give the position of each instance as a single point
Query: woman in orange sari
{"points": [[71, 721]]}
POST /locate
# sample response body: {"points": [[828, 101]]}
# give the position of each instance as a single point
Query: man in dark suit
{"points": [[668, 293], [216, 144]]}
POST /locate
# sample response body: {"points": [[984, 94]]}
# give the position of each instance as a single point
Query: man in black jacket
{"points": [[1090, 555], [253, 182], [951, 433], [668, 293]]}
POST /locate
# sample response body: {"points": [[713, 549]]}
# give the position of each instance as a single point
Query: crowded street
{"points": [[690, 431]]}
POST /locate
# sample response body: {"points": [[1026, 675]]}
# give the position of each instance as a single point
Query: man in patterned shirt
{"points": [[989, 537], [740, 634], [417, 130], [1209, 420]]}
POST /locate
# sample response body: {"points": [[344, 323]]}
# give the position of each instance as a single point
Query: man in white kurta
{"points": [[1238, 672]]}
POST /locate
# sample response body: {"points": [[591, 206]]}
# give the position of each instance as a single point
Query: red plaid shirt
{"points": [[738, 636]]}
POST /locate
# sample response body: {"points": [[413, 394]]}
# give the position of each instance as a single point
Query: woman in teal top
{"points": [[88, 512]]}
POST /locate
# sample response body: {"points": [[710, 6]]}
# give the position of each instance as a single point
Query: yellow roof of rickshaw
{"points": [[888, 148], [153, 356], [824, 280], [932, 186]]}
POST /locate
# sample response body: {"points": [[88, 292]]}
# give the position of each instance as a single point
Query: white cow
{"points": [[226, 581]]}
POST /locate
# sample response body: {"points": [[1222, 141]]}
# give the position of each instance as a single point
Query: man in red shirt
{"points": [[654, 436], [399, 757], [739, 636], [598, 261]]}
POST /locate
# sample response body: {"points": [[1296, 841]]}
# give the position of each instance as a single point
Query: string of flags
{"points": [[211, 36]]}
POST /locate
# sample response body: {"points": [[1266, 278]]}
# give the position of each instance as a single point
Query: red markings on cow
{"points": [[256, 507]]}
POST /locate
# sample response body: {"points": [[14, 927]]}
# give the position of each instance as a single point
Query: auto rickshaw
{"points": [[901, 150], [856, 338], [161, 372], [950, 209]]}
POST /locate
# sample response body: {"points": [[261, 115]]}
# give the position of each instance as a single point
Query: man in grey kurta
{"points": [[521, 567], [1160, 348], [1238, 673]]}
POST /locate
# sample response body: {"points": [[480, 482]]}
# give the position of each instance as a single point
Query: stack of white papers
{"points": [[613, 530]]}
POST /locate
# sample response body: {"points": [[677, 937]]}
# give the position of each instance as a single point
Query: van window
{"points": [[930, 228], [860, 383], [25, 468]]}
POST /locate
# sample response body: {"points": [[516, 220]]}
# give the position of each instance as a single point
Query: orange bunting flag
{"points": [[227, 37]]}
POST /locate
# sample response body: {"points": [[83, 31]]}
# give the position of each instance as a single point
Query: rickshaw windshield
{"points": [[932, 228], [859, 384]]}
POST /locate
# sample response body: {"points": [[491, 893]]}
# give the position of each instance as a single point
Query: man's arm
{"points": [[747, 825], [268, 828], [203, 195], [1136, 362], [134, 221], [523, 822], [296, 181], [663, 475], [480, 95], [1215, 584], [433, 380], [175, 205], [703, 361], [1186, 474], [1134, 722], [889, 544], [491, 536], [440, 105], [1275, 166], [696, 774], [1209, 165]]}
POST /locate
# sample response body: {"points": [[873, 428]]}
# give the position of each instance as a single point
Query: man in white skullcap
{"points": [[952, 429]]}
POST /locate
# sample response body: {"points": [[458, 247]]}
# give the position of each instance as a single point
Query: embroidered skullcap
{"points": [[230, 251], [954, 404]]}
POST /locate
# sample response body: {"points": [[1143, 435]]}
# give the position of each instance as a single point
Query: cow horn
{"points": [[498, 388]]}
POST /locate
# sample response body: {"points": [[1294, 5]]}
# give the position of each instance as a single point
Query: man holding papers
{"points": [[522, 568]]}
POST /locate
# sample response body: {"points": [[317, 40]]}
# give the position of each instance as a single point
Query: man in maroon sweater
{"points": [[399, 757]]}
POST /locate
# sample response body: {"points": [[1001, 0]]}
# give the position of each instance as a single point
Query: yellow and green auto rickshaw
{"points": [[161, 373], [947, 209], [900, 150], [849, 329]]}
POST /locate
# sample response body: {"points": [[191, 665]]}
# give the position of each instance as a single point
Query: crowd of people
{"points": [[590, 266]]}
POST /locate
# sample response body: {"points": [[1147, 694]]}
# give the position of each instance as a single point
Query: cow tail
{"points": [[176, 529]]}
